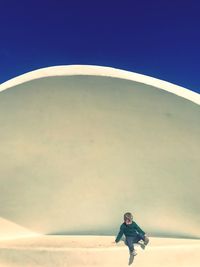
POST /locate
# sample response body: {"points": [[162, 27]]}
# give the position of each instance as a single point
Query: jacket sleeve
{"points": [[138, 229], [120, 234]]}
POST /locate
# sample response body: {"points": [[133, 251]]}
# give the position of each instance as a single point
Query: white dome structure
{"points": [[81, 145]]}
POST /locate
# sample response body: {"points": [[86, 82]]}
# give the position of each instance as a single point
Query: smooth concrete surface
{"points": [[77, 151]]}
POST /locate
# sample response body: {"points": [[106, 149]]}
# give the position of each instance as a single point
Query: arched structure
{"points": [[80, 145]]}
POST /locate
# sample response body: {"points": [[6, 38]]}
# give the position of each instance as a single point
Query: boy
{"points": [[133, 234]]}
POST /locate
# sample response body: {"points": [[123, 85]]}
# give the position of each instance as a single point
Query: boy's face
{"points": [[127, 221]]}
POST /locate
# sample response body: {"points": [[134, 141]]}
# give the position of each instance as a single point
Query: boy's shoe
{"points": [[142, 245], [133, 253], [146, 240]]}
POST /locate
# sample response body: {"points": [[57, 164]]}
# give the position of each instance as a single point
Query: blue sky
{"points": [[156, 38]]}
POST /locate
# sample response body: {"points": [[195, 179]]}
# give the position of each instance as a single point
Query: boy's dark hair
{"points": [[128, 216]]}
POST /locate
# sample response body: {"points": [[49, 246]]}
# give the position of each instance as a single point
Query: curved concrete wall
{"points": [[77, 151]]}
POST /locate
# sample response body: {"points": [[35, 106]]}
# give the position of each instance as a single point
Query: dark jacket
{"points": [[129, 230]]}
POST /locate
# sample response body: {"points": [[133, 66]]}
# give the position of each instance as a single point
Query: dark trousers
{"points": [[130, 240]]}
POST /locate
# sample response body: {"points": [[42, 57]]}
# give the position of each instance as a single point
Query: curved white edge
{"points": [[93, 70]]}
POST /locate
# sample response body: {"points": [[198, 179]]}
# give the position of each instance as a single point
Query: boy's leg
{"points": [[137, 238], [129, 242], [144, 238]]}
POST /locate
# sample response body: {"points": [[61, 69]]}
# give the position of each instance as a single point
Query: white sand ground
{"points": [[77, 251]]}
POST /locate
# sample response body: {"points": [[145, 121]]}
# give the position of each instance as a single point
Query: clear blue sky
{"points": [[157, 38]]}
